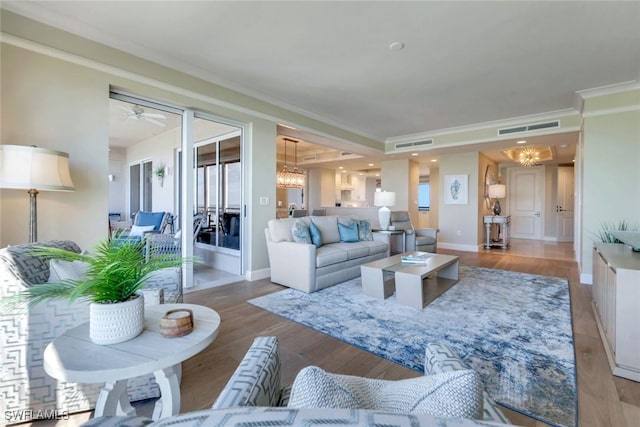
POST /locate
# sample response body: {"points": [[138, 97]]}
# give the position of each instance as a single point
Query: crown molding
{"points": [[608, 111], [551, 115], [609, 89]]}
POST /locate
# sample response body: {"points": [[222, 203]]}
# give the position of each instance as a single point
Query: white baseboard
{"points": [[458, 247], [264, 273], [586, 279]]}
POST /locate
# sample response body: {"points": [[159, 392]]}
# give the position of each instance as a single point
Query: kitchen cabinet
{"points": [[616, 305]]}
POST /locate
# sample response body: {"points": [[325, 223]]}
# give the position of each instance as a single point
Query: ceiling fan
{"points": [[137, 113]]}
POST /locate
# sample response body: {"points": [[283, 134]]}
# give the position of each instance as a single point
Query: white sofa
{"points": [[308, 268]]}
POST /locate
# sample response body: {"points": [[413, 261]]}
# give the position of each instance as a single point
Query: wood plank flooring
{"points": [[604, 400]]}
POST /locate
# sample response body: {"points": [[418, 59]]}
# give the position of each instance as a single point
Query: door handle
{"points": [[536, 214]]}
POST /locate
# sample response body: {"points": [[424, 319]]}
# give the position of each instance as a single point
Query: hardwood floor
{"points": [[604, 400]]}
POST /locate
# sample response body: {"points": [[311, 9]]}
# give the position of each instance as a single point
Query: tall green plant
{"points": [[115, 272], [604, 234]]}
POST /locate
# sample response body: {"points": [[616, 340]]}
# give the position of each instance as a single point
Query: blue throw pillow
{"points": [[364, 230], [316, 237], [348, 233]]}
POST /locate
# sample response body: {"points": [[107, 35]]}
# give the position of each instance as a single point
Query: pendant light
{"points": [[286, 178]]}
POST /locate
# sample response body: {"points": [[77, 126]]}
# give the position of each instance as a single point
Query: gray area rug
{"points": [[514, 329]]}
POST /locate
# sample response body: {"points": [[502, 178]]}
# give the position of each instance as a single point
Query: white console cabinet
{"points": [[616, 305]]}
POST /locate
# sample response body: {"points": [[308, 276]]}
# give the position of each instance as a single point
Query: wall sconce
{"points": [[111, 177]]}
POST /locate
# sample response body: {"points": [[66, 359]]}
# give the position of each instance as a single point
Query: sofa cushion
{"points": [[425, 240], [330, 254], [328, 226], [300, 232], [450, 394], [354, 250], [30, 269], [374, 247], [139, 230], [316, 235], [280, 230], [348, 232], [60, 269], [364, 230]]}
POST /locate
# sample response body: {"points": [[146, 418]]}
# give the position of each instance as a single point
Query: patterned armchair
{"points": [[25, 388]]}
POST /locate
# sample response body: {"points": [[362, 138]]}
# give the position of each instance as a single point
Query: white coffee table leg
{"points": [[169, 403], [409, 289], [450, 271], [113, 400], [373, 282]]}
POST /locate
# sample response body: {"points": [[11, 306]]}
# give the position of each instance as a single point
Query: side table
{"points": [[504, 230], [73, 357], [391, 233]]}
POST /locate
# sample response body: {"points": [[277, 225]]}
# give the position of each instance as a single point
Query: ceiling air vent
{"points": [[405, 145], [529, 128], [345, 153], [309, 158]]}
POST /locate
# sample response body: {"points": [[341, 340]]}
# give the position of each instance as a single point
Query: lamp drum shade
{"points": [[384, 198], [497, 191], [25, 167]]}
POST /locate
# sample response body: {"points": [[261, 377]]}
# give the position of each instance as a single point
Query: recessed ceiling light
{"points": [[522, 141], [340, 167], [344, 171], [377, 174], [370, 164], [563, 145], [414, 154], [360, 173], [434, 160], [396, 46]]}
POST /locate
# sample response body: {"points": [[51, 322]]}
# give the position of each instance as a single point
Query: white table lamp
{"points": [[384, 199], [497, 191], [34, 169]]}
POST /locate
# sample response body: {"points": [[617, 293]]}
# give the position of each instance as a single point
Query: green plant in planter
{"points": [[161, 172], [604, 234], [114, 273]]}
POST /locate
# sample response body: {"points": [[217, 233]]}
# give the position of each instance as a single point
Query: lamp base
{"points": [[496, 208], [384, 215]]}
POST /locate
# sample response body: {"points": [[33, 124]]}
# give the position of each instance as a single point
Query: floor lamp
{"points": [[34, 169], [384, 199]]}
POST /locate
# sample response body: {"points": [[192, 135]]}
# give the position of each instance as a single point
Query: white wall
{"points": [[611, 161], [117, 187], [459, 224], [53, 104]]}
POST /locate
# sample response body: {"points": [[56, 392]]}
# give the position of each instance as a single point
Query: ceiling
{"points": [[462, 63]]}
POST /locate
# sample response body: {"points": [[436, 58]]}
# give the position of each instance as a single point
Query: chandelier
{"points": [[286, 178], [529, 156]]}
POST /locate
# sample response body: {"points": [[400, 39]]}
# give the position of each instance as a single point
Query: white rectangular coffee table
{"points": [[407, 278]]}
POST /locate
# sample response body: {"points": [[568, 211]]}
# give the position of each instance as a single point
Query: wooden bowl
{"points": [[176, 323]]}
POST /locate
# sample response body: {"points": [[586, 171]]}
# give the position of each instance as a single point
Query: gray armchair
{"points": [[421, 239]]}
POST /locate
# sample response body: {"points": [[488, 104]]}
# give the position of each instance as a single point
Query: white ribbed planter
{"points": [[116, 323]]}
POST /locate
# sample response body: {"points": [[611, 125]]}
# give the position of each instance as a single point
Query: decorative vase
{"points": [[116, 323]]}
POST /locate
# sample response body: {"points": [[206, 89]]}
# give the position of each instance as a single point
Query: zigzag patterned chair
{"points": [[25, 389], [254, 394]]}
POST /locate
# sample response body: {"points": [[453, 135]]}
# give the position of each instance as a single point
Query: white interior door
{"points": [[525, 191], [565, 204]]}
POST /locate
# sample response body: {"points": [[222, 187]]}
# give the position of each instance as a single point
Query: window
{"points": [[140, 186], [424, 193]]}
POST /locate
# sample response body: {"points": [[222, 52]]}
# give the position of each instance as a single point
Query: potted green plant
{"points": [[114, 274], [161, 172]]}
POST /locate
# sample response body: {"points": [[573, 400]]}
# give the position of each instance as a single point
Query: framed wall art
{"points": [[456, 189]]}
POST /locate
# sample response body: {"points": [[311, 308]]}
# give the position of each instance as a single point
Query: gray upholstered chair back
{"points": [[401, 221]]}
